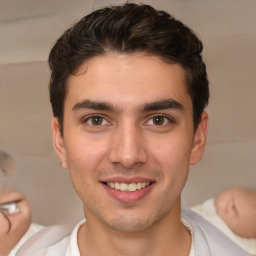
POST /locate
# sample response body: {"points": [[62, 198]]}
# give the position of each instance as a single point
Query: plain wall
{"points": [[28, 29]]}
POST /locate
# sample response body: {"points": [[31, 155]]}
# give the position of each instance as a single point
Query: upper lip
{"points": [[127, 180]]}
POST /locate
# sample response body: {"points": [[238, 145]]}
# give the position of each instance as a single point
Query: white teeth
{"points": [[138, 186], [128, 187], [132, 187], [123, 187], [116, 185]]}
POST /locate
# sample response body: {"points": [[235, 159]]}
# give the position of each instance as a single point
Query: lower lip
{"points": [[128, 197]]}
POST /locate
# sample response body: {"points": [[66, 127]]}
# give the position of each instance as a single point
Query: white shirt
{"points": [[72, 249], [208, 240], [190, 229], [33, 228], [208, 210]]}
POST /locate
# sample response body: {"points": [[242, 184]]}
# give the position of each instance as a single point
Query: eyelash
{"points": [[167, 119], [90, 118]]}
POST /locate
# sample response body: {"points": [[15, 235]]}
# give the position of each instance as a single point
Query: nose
{"points": [[128, 147]]}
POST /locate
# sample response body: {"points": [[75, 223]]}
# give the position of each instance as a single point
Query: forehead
{"points": [[7, 165], [128, 79]]}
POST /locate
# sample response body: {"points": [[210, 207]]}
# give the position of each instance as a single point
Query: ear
{"points": [[58, 142], [199, 140]]}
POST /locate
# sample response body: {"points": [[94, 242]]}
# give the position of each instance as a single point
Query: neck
{"points": [[167, 237]]}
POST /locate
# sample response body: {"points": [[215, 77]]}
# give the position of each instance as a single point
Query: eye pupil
{"points": [[158, 120], [97, 120]]}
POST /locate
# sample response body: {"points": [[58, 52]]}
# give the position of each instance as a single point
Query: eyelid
{"points": [[90, 116], [167, 117]]}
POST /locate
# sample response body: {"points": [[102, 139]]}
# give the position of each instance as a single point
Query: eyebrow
{"points": [[96, 105], [161, 105], [151, 106]]}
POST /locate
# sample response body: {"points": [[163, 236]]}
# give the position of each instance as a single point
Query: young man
{"points": [[128, 91]]}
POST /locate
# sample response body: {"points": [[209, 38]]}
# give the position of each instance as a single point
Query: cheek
{"points": [[85, 157], [84, 152], [172, 153], [173, 159], [21, 221], [4, 226]]}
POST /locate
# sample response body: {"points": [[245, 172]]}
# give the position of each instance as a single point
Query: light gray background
{"points": [[28, 29]]}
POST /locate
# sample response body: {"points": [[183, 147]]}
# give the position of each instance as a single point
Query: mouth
{"points": [[128, 187], [128, 191]]}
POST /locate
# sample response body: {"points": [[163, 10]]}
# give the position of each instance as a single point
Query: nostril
{"points": [[127, 148]]}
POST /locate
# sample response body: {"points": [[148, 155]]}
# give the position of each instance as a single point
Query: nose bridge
{"points": [[128, 147]]}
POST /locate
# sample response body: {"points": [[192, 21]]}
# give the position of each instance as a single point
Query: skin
{"points": [[237, 207], [142, 132], [20, 222]]}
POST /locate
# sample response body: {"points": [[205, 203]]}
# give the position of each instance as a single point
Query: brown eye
{"points": [[97, 120], [158, 120]]}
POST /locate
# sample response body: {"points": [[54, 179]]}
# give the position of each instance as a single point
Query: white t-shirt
{"points": [[190, 229], [72, 249], [207, 240]]}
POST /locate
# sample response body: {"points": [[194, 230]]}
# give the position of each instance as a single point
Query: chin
{"points": [[129, 225], [131, 222]]}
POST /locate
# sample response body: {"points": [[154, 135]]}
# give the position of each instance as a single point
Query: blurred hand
{"points": [[20, 221], [237, 207]]}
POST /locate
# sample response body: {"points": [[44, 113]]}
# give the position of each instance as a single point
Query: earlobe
{"points": [[58, 142], [199, 140]]}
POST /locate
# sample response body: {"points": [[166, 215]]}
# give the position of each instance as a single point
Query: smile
{"points": [[125, 187]]}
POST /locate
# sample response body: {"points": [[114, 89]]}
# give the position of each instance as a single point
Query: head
{"points": [[237, 207], [15, 215], [128, 89], [128, 29], [7, 170]]}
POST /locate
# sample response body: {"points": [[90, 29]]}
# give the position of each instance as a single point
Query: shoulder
{"points": [[34, 228], [208, 239], [49, 241]]}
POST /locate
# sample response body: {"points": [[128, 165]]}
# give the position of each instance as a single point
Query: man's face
{"points": [[128, 139]]}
